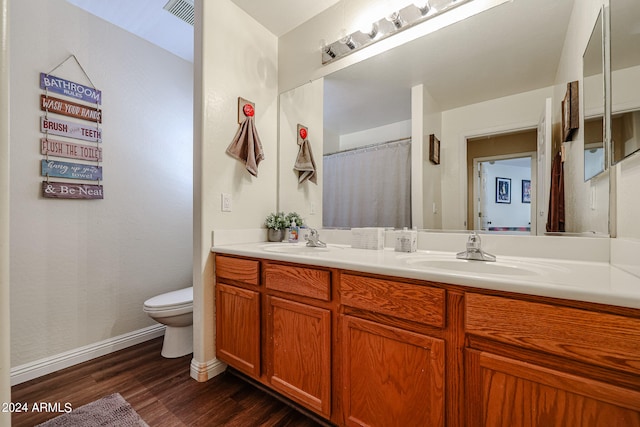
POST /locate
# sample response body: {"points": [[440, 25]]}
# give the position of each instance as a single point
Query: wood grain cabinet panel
{"points": [[304, 281], [423, 304], [391, 377], [238, 269], [238, 328], [300, 352], [601, 339], [503, 392]]}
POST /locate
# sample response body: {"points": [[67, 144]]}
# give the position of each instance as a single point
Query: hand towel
{"points": [[555, 219], [246, 146], [305, 165]]}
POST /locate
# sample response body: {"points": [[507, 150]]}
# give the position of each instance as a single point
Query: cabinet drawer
{"points": [[303, 281], [423, 304], [597, 338], [241, 270]]}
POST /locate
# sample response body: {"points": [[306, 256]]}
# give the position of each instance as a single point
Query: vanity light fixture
{"points": [[413, 14]]}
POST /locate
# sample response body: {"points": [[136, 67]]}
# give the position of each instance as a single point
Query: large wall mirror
{"points": [[483, 94], [625, 75]]}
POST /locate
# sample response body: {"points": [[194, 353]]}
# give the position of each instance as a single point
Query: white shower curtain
{"points": [[368, 187]]}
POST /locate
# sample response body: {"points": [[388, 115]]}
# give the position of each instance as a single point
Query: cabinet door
{"points": [[392, 377], [238, 328], [301, 352], [510, 393]]}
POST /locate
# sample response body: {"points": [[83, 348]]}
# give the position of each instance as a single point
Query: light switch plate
{"points": [[225, 202]]}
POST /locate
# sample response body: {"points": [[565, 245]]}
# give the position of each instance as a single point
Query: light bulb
{"points": [[396, 20], [348, 41], [370, 30], [423, 6]]}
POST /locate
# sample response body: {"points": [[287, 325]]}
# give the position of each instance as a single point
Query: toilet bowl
{"points": [[175, 310]]}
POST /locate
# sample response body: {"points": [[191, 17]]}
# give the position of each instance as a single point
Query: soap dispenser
{"points": [[293, 232]]}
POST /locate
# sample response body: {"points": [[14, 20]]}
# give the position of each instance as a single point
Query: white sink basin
{"points": [[295, 249], [500, 267]]}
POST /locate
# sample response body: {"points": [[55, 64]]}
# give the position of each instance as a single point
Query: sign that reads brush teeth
{"points": [[69, 88]]}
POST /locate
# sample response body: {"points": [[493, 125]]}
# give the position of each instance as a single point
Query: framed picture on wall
{"points": [[434, 149], [526, 191], [503, 190], [570, 111]]}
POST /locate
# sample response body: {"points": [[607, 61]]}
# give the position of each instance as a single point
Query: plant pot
{"points": [[275, 235]]}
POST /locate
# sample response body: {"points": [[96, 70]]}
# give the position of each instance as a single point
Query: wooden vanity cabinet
{"points": [[393, 370], [539, 364], [368, 350], [238, 314], [299, 334]]}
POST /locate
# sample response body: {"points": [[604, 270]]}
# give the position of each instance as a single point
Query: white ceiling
{"points": [[149, 20]]}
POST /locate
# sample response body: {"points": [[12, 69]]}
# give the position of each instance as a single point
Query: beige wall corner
{"points": [[5, 389]]}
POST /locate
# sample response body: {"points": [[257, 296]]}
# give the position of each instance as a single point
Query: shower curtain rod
{"points": [[366, 147]]}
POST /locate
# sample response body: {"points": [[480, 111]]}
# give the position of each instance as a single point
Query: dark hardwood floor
{"points": [[160, 390]]}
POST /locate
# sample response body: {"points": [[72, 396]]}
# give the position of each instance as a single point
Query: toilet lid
{"points": [[170, 299]]}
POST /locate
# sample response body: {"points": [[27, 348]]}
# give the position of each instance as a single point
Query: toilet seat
{"points": [[170, 301]]}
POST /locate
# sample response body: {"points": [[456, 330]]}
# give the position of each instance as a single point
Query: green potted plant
{"points": [[294, 216], [276, 224]]}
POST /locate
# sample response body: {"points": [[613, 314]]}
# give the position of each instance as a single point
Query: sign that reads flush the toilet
{"points": [[65, 190], [70, 150]]}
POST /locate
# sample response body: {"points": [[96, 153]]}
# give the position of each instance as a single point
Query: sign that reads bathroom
{"points": [[71, 109], [65, 190], [71, 170], [69, 88], [70, 150], [72, 130]]}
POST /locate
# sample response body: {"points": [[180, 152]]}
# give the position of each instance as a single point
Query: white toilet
{"points": [[174, 309]]}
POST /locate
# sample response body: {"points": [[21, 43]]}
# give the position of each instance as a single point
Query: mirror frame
{"points": [[598, 22]]}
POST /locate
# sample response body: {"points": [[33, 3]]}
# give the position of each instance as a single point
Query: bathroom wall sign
{"points": [[72, 130], [70, 150], [71, 109], [69, 88], [64, 190], [71, 170]]}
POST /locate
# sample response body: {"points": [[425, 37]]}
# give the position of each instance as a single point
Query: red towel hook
{"points": [[248, 110], [303, 133]]}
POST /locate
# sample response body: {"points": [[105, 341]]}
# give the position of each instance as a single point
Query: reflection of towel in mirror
{"points": [[305, 165], [246, 146], [555, 219]]}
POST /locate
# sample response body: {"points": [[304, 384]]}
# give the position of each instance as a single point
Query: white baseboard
{"points": [[45, 366], [204, 371]]}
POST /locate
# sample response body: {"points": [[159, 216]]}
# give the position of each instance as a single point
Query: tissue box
{"points": [[367, 238], [406, 240]]}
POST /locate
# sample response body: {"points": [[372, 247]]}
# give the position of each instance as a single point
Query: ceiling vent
{"points": [[183, 9]]}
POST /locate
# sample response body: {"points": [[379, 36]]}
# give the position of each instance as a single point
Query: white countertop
{"points": [[598, 282]]}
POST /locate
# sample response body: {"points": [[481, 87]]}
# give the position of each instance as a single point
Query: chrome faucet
{"points": [[474, 250], [313, 239]]}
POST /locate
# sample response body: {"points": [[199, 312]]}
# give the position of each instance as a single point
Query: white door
{"points": [[544, 168], [480, 211]]}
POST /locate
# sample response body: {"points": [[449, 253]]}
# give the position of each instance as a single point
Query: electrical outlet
{"points": [[225, 202], [313, 209]]}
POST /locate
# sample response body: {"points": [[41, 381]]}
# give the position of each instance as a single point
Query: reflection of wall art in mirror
{"points": [[503, 190], [570, 111], [434, 149], [526, 191]]}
